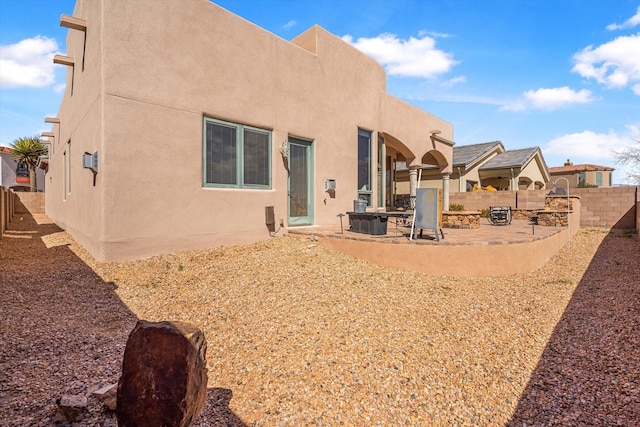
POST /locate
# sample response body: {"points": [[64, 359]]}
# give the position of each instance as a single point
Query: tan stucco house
{"points": [[185, 126], [482, 165], [581, 175]]}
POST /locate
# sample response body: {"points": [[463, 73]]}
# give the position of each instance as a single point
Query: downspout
{"points": [[460, 181]]}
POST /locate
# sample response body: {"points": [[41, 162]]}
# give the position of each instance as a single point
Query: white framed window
{"points": [[236, 156]]}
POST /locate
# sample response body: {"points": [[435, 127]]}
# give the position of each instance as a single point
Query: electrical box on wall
{"points": [[90, 161], [330, 187], [329, 184]]}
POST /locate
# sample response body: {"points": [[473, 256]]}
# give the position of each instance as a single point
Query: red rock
{"points": [[164, 375]]}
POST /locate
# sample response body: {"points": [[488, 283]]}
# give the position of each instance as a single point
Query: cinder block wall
{"points": [[32, 203], [530, 199], [614, 207], [7, 207], [637, 218], [608, 206], [483, 200], [4, 210]]}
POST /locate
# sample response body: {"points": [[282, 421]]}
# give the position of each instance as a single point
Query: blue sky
{"points": [[563, 75]]}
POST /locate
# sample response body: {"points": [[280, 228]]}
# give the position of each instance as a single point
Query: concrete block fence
{"points": [[613, 207], [12, 204], [7, 208]]}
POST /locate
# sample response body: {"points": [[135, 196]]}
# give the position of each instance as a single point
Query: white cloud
{"points": [[614, 64], [435, 34], [549, 99], [454, 81], [629, 23], [289, 25], [415, 57], [587, 146], [28, 63], [518, 105], [60, 88], [596, 148]]}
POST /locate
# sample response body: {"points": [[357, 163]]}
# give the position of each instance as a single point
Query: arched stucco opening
{"points": [[403, 153], [500, 183], [525, 183], [435, 158], [396, 153]]}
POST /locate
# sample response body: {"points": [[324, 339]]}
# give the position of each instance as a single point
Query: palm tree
{"points": [[27, 151]]}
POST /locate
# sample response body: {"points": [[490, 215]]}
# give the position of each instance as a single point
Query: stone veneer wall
{"points": [[461, 219], [600, 207]]}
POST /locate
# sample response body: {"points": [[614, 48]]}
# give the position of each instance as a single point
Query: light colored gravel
{"points": [[301, 335]]}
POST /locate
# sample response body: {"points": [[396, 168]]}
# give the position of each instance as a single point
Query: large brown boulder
{"points": [[164, 375]]}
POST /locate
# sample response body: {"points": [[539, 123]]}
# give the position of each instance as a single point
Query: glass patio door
{"points": [[300, 182]]}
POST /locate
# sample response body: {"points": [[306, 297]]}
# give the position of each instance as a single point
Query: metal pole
{"points": [[413, 223]]}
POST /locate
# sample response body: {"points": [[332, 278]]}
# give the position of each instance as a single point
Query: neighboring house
{"points": [[185, 126], [523, 169], [16, 177], [581, 175], [482, 165]]}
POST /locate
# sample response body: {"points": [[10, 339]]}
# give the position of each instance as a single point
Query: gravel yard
{"points": [[300, 335]]}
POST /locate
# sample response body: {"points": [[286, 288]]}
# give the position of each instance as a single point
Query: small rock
{"points": [[107, 395], [70, 406]]}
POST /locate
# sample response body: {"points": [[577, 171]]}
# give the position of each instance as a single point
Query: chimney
{"points": [[568, 163]]}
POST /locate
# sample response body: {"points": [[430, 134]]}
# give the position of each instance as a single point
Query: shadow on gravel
{"points": [[589, 372], [63, 330]]}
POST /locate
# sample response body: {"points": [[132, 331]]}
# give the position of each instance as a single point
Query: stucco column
{"points": [[413, 184], [445, 192]]}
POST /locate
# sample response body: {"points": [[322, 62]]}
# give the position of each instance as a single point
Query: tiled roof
{"points": [[578, 168], [4, 149], [465, 155], [510, 159]]}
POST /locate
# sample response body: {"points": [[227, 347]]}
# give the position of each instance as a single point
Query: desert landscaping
{"points": [[301, 335]]}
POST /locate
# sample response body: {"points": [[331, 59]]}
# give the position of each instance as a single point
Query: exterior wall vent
{"points": [[90, 161]]}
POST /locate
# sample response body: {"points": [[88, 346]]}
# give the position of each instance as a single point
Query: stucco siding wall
{"points": [[8, 166], [153, 73], [7, 174], [228, 69], [532, 171], [412, 125], [77, 207]]}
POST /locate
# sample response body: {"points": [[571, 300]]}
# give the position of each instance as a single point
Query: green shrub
{"points": [[456, 207]]}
